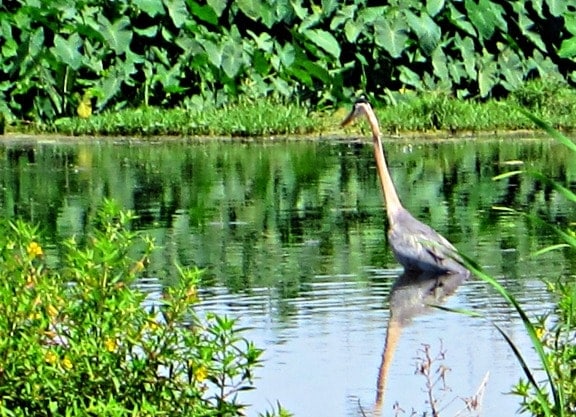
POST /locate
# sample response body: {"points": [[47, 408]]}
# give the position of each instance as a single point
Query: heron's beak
{"points": [[350, 118]]}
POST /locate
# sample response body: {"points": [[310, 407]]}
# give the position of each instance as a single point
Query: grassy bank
{"points": [[399, 112]]}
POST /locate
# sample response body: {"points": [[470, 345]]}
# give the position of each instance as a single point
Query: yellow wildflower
{"points": [[67, 363], [200, 373], [34, 249], [52, 311], [50, 357], [540, 332], [152, 324], [110, 344], [192, 295], [138, 267]]}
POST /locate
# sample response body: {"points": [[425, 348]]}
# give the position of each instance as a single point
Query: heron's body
{"points": [[416, 246]]}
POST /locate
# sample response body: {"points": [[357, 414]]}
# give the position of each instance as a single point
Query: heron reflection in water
{"points": [[416, 246], [412, 294]]}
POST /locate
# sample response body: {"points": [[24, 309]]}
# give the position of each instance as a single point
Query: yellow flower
{"points": [[200, 373], [110, 344], [34, 249], [192, 295], [52, 311], [67, 363], [84, 109], [152, 324], [540, 332], [50, 357]]}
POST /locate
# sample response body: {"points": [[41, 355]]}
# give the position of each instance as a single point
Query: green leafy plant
{"points": [[79, 338], [170, 52]]}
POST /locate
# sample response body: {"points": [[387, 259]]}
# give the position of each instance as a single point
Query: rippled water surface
{"points": [[292, 239]]}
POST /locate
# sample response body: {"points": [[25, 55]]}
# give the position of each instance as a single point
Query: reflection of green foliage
{"points": [[276, 215]]}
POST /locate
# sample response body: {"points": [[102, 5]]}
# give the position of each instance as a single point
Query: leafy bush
{"points": [[55, 55], [78, 338]]}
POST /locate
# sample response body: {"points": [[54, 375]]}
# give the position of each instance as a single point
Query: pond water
{"points": [[291, 236]]}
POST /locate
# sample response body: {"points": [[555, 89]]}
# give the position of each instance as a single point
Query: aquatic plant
{"points": [[552, 339]]}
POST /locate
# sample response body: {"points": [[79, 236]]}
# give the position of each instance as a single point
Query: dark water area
{"points": [[291, 236]]}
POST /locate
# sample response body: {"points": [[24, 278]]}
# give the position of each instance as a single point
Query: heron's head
{"points": [[361, 108]]}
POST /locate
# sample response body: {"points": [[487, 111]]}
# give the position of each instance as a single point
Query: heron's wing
{"points": [[418, 244]]}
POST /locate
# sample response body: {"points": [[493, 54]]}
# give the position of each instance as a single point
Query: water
{"points": [[291, 236]]}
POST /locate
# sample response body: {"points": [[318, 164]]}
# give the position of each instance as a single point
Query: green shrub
{"points": [[77, 337]]}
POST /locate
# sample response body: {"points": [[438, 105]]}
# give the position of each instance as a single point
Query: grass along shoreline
{"points": [[406, 113]]}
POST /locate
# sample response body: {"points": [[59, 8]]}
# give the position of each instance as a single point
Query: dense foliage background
{"points": [[54, 53]]}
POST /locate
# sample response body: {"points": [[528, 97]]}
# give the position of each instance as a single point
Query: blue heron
{"points": [[416, 246]]}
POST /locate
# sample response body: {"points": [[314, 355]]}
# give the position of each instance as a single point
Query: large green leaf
{"points": [[116, 35], [213, 52], [250, 8], [67, 50], [511, 68], [433, 7], [426, 29], [391, 35], [466, 47], [151, 7], [344, 15], [558, 7], [486, 17], [352, 29], [439, 63], [287, 54], [527, 27], [324, 40], [205, 13], [218, 6], [460, 20], [568, 48], [36, 42], [328, 6], [177, 11], [487, 76], [231, 58]]}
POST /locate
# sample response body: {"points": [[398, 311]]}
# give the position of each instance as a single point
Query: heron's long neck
{"points": [[391, 196]]}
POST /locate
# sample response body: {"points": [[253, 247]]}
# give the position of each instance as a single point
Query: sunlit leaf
{"points": [[36, 42], [328, 6], [506, 175], [439, 63], [177, 11], [231, 59], [67, 50], [487, 77], [486, 17], [324, 40], [558, 7], [151, 7], [461, 21], [550, 248], [205, 13], [433, 7], [568, 48], [392, 36], [352, 29], [117, 35], [250, 8], [426, 29], [217, 5]]}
